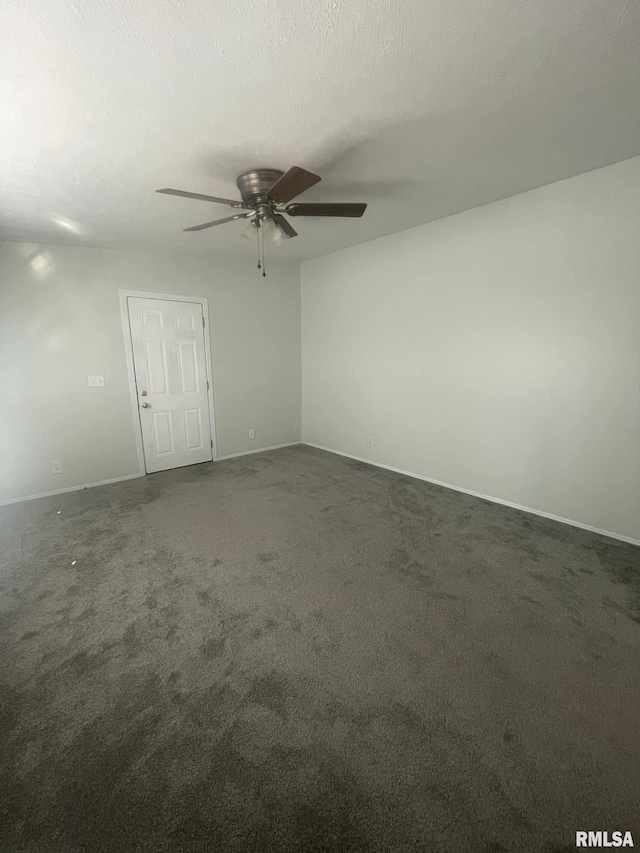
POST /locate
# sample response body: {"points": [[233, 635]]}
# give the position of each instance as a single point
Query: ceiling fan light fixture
{"points": [[251, 230], [272, 232]]}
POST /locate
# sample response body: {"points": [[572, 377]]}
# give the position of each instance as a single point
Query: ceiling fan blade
{"points": [[291, 184], [320, 209], [286, 226], [219, 222], [201, 197]]}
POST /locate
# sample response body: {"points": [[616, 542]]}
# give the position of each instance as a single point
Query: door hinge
{"points": [[203, 322], [207, 384], [212, 444]]}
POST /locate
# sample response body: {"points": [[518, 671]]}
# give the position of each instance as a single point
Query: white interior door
{"points": [[170, 368]]}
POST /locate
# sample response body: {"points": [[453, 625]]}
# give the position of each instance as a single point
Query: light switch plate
{"points": [[96, 381]]}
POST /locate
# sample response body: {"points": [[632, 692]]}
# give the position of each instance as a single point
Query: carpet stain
{"points": [[204, 597], [271, 691], [268, 557], [402, 562], [214, 647]]}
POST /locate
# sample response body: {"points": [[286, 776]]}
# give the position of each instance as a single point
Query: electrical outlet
{"points": [[370, 442], [296, 428], [252, 433], [56, 466]]}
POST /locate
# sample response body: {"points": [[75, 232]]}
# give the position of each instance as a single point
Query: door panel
{"points": [[156, 364], [170, 366], [188, 367], [192, 429], [162, 433]]}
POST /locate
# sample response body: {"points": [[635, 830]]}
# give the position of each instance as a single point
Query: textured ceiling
{"points": [[421, 108]]}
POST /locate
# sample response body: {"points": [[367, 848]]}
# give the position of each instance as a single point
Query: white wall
{"points": [[60, 322], [496, 351]]}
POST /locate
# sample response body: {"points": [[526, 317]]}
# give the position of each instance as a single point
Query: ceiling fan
{"points": [[265, 195]]}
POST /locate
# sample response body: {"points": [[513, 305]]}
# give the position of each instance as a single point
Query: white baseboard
{"points": [[259, 450], [528, 509], [133, 476], [70, 489], [500, 501]]}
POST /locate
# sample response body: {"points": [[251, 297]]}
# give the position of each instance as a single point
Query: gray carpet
{"points": [[293, 651]]}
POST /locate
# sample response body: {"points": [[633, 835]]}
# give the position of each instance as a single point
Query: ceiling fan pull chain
{"points": [[258, 246], [264, 271]]}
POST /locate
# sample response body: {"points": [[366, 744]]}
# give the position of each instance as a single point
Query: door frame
{"points": [[125, 294]]}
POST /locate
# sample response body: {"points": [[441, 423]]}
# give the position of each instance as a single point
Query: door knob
{"points": [[145, 405]]}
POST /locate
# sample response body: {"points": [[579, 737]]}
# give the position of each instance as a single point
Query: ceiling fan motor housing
{"points": [[255, 185]]}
